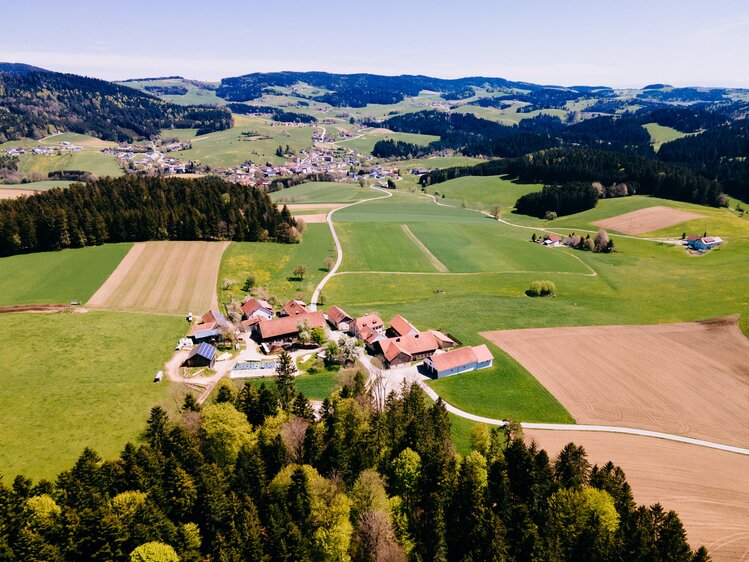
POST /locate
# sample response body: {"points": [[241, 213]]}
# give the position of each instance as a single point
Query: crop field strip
{"points": [[167, 277], [434, 260]]}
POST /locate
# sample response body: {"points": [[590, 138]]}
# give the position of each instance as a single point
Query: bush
{"points": [[550, 215], [542, 289]]}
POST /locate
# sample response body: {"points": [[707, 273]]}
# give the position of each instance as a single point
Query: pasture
{"points": [[648, 220], [163, 277], [709, 489], [486, 191], [272, 265], [662, 386], [366, 141], [58, 277], [660, 134], [322, 192], [78, 380]]}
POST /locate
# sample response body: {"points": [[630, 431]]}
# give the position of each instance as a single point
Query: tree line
{"points": [[256, 476], [275, 113], [136, 208], [93, 107]]}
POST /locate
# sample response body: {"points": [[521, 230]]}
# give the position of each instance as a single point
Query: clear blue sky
{"points": [[618, 43]]}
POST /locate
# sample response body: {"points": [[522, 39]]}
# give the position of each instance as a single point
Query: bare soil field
{"points": [[709, 489], [310, 206], [312, 218], [688, 378], [647, 220], [167, 277], [11, 193]]}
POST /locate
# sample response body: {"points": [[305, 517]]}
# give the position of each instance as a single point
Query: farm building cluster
{"points": [[702, 244], [397, 345]]}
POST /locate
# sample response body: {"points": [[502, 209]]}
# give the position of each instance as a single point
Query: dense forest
{"points": [[33, 104], [136, 208], [566, 199], [275, 113], [255, 476]]}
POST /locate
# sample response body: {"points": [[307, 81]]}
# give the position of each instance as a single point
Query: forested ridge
{"points": [[255, 476], [136, 208], [34, 104]]}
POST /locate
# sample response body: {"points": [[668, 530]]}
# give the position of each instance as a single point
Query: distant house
{"points": [[459, 360], [339, 319], [702, 244], [203, 355], [286, 328], [403, 350], [294, 308], [371, 321], [257, 308], [399, 326], [551, 240]]}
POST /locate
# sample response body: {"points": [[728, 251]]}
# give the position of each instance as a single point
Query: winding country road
{"points": [[411, 375]]}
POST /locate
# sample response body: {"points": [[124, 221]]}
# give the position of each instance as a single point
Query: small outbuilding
{"points": [[459, 360], [203, 355], [339, 319]]}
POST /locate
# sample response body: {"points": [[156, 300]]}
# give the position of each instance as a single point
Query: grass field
{"points": [[74, 380], [90, 161], [660, 134], [195, 95], [322, 192], [232, 148], [165, 277], [366, 143], [273, 265], [58, 277], [485, 190], [40, 185]]}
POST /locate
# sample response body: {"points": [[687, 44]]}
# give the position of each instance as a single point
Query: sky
{"points": [[566, 42]]}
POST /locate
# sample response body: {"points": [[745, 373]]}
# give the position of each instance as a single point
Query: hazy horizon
{"points": [[685, 43]]}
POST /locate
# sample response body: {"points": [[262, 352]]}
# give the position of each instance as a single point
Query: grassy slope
{"points": [[486, 190], [660, 134], [273, 264], [367, 142], [40, 185], [644, 282], [322, 192], [380, 247], [89, 384], [57, 277]]}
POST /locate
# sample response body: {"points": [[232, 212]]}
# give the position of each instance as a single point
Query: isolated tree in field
{"points": [[299, 272], [496, 212], [601, 241], [541, 289], [533, 237], [329, 263], [285, 370], [249, 283]]}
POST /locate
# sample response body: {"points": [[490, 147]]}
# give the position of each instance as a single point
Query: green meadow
{"points": [[485, 191], [58, 277], [323, 192], [40, 185], [660, 134], [366, 143], [492, 264], [89, 161], [72, 381], [272, 265]]}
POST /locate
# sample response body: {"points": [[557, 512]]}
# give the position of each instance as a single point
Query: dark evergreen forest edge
{"points": [[136, 208], [34, 103], [254, 476]]}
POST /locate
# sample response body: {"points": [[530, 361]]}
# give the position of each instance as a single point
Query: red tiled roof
{"points": [[444, 341], [402, 326], [337, 315], [410, 345], [253, 305], [288, 324], [370, 320], [460, 357], [295, 308]]}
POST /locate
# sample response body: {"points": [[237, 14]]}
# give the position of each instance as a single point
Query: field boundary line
{"points": [[339, 249], [448, 273], [434, 260], [104, 292]]}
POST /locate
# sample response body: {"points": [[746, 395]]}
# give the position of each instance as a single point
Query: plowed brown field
{"points": [[687, 379], [647, 220], [169, 277]]}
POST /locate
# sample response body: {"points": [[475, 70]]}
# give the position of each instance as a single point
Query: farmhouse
{"points": [[703, 244], [203, 355], [459, 361], [399, 326], [370, 321], [209, 329], [339, 319], [294, 308], [286, 329], [257, 308], [403, 350]]}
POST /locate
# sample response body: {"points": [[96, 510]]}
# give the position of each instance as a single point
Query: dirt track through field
{"points": [[169, 277], [434, 260], [709, 489], [688, 379], [647, 220]]}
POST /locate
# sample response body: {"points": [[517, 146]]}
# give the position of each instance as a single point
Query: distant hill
{"points": [[35, 103], [19, 68]]}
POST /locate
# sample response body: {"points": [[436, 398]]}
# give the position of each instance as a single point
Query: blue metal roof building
{"points": [[203, 355]]}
